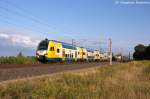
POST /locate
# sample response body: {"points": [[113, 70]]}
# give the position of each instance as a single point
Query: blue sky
{"points": [[99, 20]]}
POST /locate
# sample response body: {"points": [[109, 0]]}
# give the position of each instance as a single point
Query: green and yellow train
{"points": [[54, 51]]}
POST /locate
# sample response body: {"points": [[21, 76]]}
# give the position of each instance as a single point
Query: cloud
{"points": [[21, 40], [2, 35]]}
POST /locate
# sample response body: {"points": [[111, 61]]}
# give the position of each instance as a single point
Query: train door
{"points": [[82, 53], [59, 51], [63, 53]]}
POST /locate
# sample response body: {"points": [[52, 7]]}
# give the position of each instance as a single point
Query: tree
{"points": [[20, 54], [148, 52], [140, 48], [140, 52]]}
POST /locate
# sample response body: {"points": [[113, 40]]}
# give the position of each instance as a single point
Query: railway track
{"points": [[10, 72]]}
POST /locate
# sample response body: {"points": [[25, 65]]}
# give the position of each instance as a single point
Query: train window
{"points": [[75, 54], [58, 50], [70, 56], [43, 45], [51, 48], [83, 53], [65, 55]]}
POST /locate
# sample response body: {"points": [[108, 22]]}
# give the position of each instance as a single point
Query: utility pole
{"points": [[129, 56], [110, 51], [72, 42], [122, 54]]}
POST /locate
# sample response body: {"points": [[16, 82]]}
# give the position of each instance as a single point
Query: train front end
{"points": [[41, 52]]}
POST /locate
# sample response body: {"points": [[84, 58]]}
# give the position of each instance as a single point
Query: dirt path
{"points": [[10, 72]]}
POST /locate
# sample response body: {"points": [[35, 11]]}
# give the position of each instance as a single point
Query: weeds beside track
{"points": [[119, 81]]}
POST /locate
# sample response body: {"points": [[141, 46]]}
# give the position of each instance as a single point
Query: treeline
{"points": [[141, 52], [19, 59]]}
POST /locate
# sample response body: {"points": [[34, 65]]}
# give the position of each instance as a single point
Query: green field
{"points": [[121, 81]]}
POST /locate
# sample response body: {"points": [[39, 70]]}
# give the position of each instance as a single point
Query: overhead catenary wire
{"points": [[19, 14], [19, 11], [91, 44], [7, 21], [27, 14], [31, 17], [75, 41]]}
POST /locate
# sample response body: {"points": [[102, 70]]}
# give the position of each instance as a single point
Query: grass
{"points": [[18, 60], [121, 81]]}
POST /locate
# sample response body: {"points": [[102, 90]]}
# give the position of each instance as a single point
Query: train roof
{"points": [[90, 50], [69, 46], [65, 45]]}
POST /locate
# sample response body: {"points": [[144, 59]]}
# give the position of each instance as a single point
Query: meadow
{"points": [[119, 81]]}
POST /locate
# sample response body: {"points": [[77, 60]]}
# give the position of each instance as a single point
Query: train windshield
{"points": [[43, 45]]}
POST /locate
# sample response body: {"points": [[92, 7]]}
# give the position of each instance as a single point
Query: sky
{"points": [[24, 23]]}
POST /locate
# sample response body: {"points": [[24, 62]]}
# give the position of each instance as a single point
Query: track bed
{"points": [[10, 72]]}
